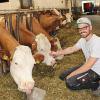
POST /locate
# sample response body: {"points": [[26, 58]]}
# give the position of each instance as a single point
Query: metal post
{"points": [[27, 23], [31, 25], [6, 22], [17, 27], [10, 23]]}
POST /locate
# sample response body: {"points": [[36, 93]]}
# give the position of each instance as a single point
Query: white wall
{"points": [[49, 4], [12, 4], [97, 2]]}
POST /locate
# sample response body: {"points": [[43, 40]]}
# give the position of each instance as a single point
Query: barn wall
{"points": [[12, 4], [42, 4], [38, 4], [97, 3], [15, 4]]}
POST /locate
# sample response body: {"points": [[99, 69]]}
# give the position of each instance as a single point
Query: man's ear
{"points": [[90, 27]]}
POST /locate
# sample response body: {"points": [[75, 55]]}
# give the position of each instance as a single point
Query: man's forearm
{"points": [[68, 50], [80, 70], [88, 65]]}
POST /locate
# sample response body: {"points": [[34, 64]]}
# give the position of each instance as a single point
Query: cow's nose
{"points": [[28, 91], [53, 62], [26, 86]]}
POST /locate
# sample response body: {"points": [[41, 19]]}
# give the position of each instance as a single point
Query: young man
{"points": [[87, 75]]}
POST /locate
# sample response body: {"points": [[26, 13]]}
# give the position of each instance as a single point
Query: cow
{"points": [[40, 45], [28, 38], [53, 20], [49, 22], [22, 61], [36, 26], [68, 16], [44, 48]]}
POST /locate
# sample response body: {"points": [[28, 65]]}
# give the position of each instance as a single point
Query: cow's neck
{"points": [[7, 41]]}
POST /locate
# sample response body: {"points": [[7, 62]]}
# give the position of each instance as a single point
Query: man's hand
{"points": [[70, 75], [54, 54]]}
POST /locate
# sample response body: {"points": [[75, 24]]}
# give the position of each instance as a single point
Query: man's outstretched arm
{"points": [[66, 51]]}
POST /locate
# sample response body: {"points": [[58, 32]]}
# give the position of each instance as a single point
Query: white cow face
{"points": [[49, 60], [44, 47], [21, 68]]}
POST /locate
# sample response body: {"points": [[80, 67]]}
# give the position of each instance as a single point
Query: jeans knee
{"points": [[72, 84]]}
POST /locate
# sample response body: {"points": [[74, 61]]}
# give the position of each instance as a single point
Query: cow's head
{"points": [[21, 68], [44, 48], [65, 18]]}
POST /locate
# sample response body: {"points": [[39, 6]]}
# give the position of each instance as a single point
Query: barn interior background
{"points": [[47, 77]]}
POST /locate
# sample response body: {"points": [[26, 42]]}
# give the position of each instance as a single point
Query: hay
{"points": [[47, 77]]}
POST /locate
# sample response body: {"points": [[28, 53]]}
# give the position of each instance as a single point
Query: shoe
{"points": [[63, 75], [97, 91]]}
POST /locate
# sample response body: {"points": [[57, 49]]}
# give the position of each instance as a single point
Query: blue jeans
{"points": [[86, 80]]}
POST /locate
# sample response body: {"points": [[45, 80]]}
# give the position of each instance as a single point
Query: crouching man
{"points": [[87, 75]]}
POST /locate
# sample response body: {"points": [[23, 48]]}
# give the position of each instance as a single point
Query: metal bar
{"points": [[10, 24], [27, 22], [6, 22], [31, 25], [17, 28], [3, 12]]}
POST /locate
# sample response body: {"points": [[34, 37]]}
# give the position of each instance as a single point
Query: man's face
{"points": [[84, 30]]}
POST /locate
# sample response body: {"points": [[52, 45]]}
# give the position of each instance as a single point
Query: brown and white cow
{"points": [[22, 61], [54, 20], [49, 22], [28, 38], [44, 48], [37, 28], [40, 44]]}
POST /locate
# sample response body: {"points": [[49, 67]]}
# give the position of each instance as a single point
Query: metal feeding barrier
{"points": [[7, 19], [7, 14], [3, 12]]}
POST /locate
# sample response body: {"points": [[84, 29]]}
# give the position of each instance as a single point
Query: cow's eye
{"points": [[16, 63], [41, 49]]}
